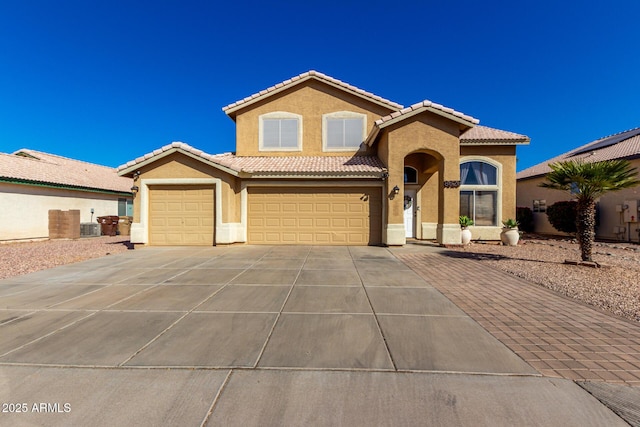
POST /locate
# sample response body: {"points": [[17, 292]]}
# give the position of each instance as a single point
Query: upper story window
{"points": [[343, 131], [479, 192], [280, 131]]}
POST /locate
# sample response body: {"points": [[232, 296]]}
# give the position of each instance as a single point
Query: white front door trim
{"points": [[410, 213]]}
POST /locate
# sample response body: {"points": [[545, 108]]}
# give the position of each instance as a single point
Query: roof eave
{"points": [[318, 175], [233, 108], [378, 126], [495, 142], [129, 170], [44, 184], [452, 117]]}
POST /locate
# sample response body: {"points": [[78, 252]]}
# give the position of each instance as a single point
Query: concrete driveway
{"points": [[259, 335]]}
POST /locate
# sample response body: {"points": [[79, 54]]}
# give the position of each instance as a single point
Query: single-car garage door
{"points": [[181, 215], [324, 216]]}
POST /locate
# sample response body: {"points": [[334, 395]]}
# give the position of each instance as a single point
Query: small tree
{"points": [[586, 182]]}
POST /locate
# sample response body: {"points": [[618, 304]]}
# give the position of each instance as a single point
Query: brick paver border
{"points": [[554, 334]]}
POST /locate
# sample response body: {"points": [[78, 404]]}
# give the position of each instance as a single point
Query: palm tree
{"points": [[586, 182]]}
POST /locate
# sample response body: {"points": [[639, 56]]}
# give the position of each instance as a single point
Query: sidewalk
{"points": [[558, 336]]}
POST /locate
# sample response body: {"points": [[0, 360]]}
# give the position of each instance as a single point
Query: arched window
{"points": [[410, 175], [479, 192]]}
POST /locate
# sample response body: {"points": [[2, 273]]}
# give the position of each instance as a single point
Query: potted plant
{"points": [[465, 234], [510, 234]]}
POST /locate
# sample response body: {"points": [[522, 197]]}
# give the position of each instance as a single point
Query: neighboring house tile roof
{"points": [[623, 145], [365, 166], [231, 108], [30, 166], [486, 135]]}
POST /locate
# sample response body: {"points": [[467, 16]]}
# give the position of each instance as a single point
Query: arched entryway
{"points": [[420, 195]]}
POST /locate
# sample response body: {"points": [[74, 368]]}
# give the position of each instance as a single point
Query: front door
{"points": [[410, 213]]}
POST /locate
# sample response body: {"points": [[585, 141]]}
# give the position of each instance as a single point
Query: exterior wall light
{"points": [[396, 190], [134, 189]]}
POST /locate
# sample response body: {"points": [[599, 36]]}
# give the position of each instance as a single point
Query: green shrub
{"points": [[524, 216], [562, 216], [465, 221]]}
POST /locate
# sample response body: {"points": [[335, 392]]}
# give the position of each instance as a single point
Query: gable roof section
{"points": [[415, 109], [622, 145], [38, 168], [267, 166], [486, 135], [315, 75]]}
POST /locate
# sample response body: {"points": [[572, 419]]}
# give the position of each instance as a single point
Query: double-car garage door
{"points": [[322, 216], [184, 215]]}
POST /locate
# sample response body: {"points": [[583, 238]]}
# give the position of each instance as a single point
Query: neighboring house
{"points": [[617, 211], [32, 183], [319, 161]]}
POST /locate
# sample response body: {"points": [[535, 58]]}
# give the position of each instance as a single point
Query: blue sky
{"points": [[106, 82]]}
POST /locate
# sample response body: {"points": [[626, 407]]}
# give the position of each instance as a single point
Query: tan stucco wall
{"points": [[529, 190], [311, 100], [435, 136], [24, 213], [505, 155], [178, 165]]}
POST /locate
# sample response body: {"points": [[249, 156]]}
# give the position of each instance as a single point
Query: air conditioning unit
{"points": [[89, 229]]}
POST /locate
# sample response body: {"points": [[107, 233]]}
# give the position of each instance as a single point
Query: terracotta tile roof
{"points": [[486, 135], [44, 168], [424, 106], [301, 78], [303, 164], [365, 166], [623, 145]]}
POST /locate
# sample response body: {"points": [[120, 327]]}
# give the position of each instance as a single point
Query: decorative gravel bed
{"points": [[615, 287], [26, 257]]}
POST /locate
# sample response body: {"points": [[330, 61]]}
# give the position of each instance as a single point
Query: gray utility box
{"points": [[89, 229]]}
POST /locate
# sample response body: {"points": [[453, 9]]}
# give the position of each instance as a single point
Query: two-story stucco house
{"points": [[319, 161]]}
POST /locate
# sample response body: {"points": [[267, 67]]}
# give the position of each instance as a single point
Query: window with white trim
{"points": [[479, 192], [343, 131], [280, 131]]}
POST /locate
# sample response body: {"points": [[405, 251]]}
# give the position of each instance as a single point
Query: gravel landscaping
{"points": [[26, 257], [615, 287]]}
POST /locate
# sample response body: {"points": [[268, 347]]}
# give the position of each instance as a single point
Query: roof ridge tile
{"points": [[311, 74]]}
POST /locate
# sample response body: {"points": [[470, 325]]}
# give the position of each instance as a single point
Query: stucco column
{"points": [[395, 233], [448, 232]]}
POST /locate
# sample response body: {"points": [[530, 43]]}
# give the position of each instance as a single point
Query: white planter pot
{"points": [[510, 236], [465, 236]]}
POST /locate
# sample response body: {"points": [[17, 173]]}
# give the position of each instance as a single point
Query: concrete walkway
{"points": [[248, 335]]}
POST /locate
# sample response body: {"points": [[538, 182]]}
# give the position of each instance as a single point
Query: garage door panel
{"points": [[181, 215], [332, 216], [338, 222], [305, 222]]}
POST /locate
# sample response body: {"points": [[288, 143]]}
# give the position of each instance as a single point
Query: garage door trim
{"points": [[306, 185], [141, 231]]}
